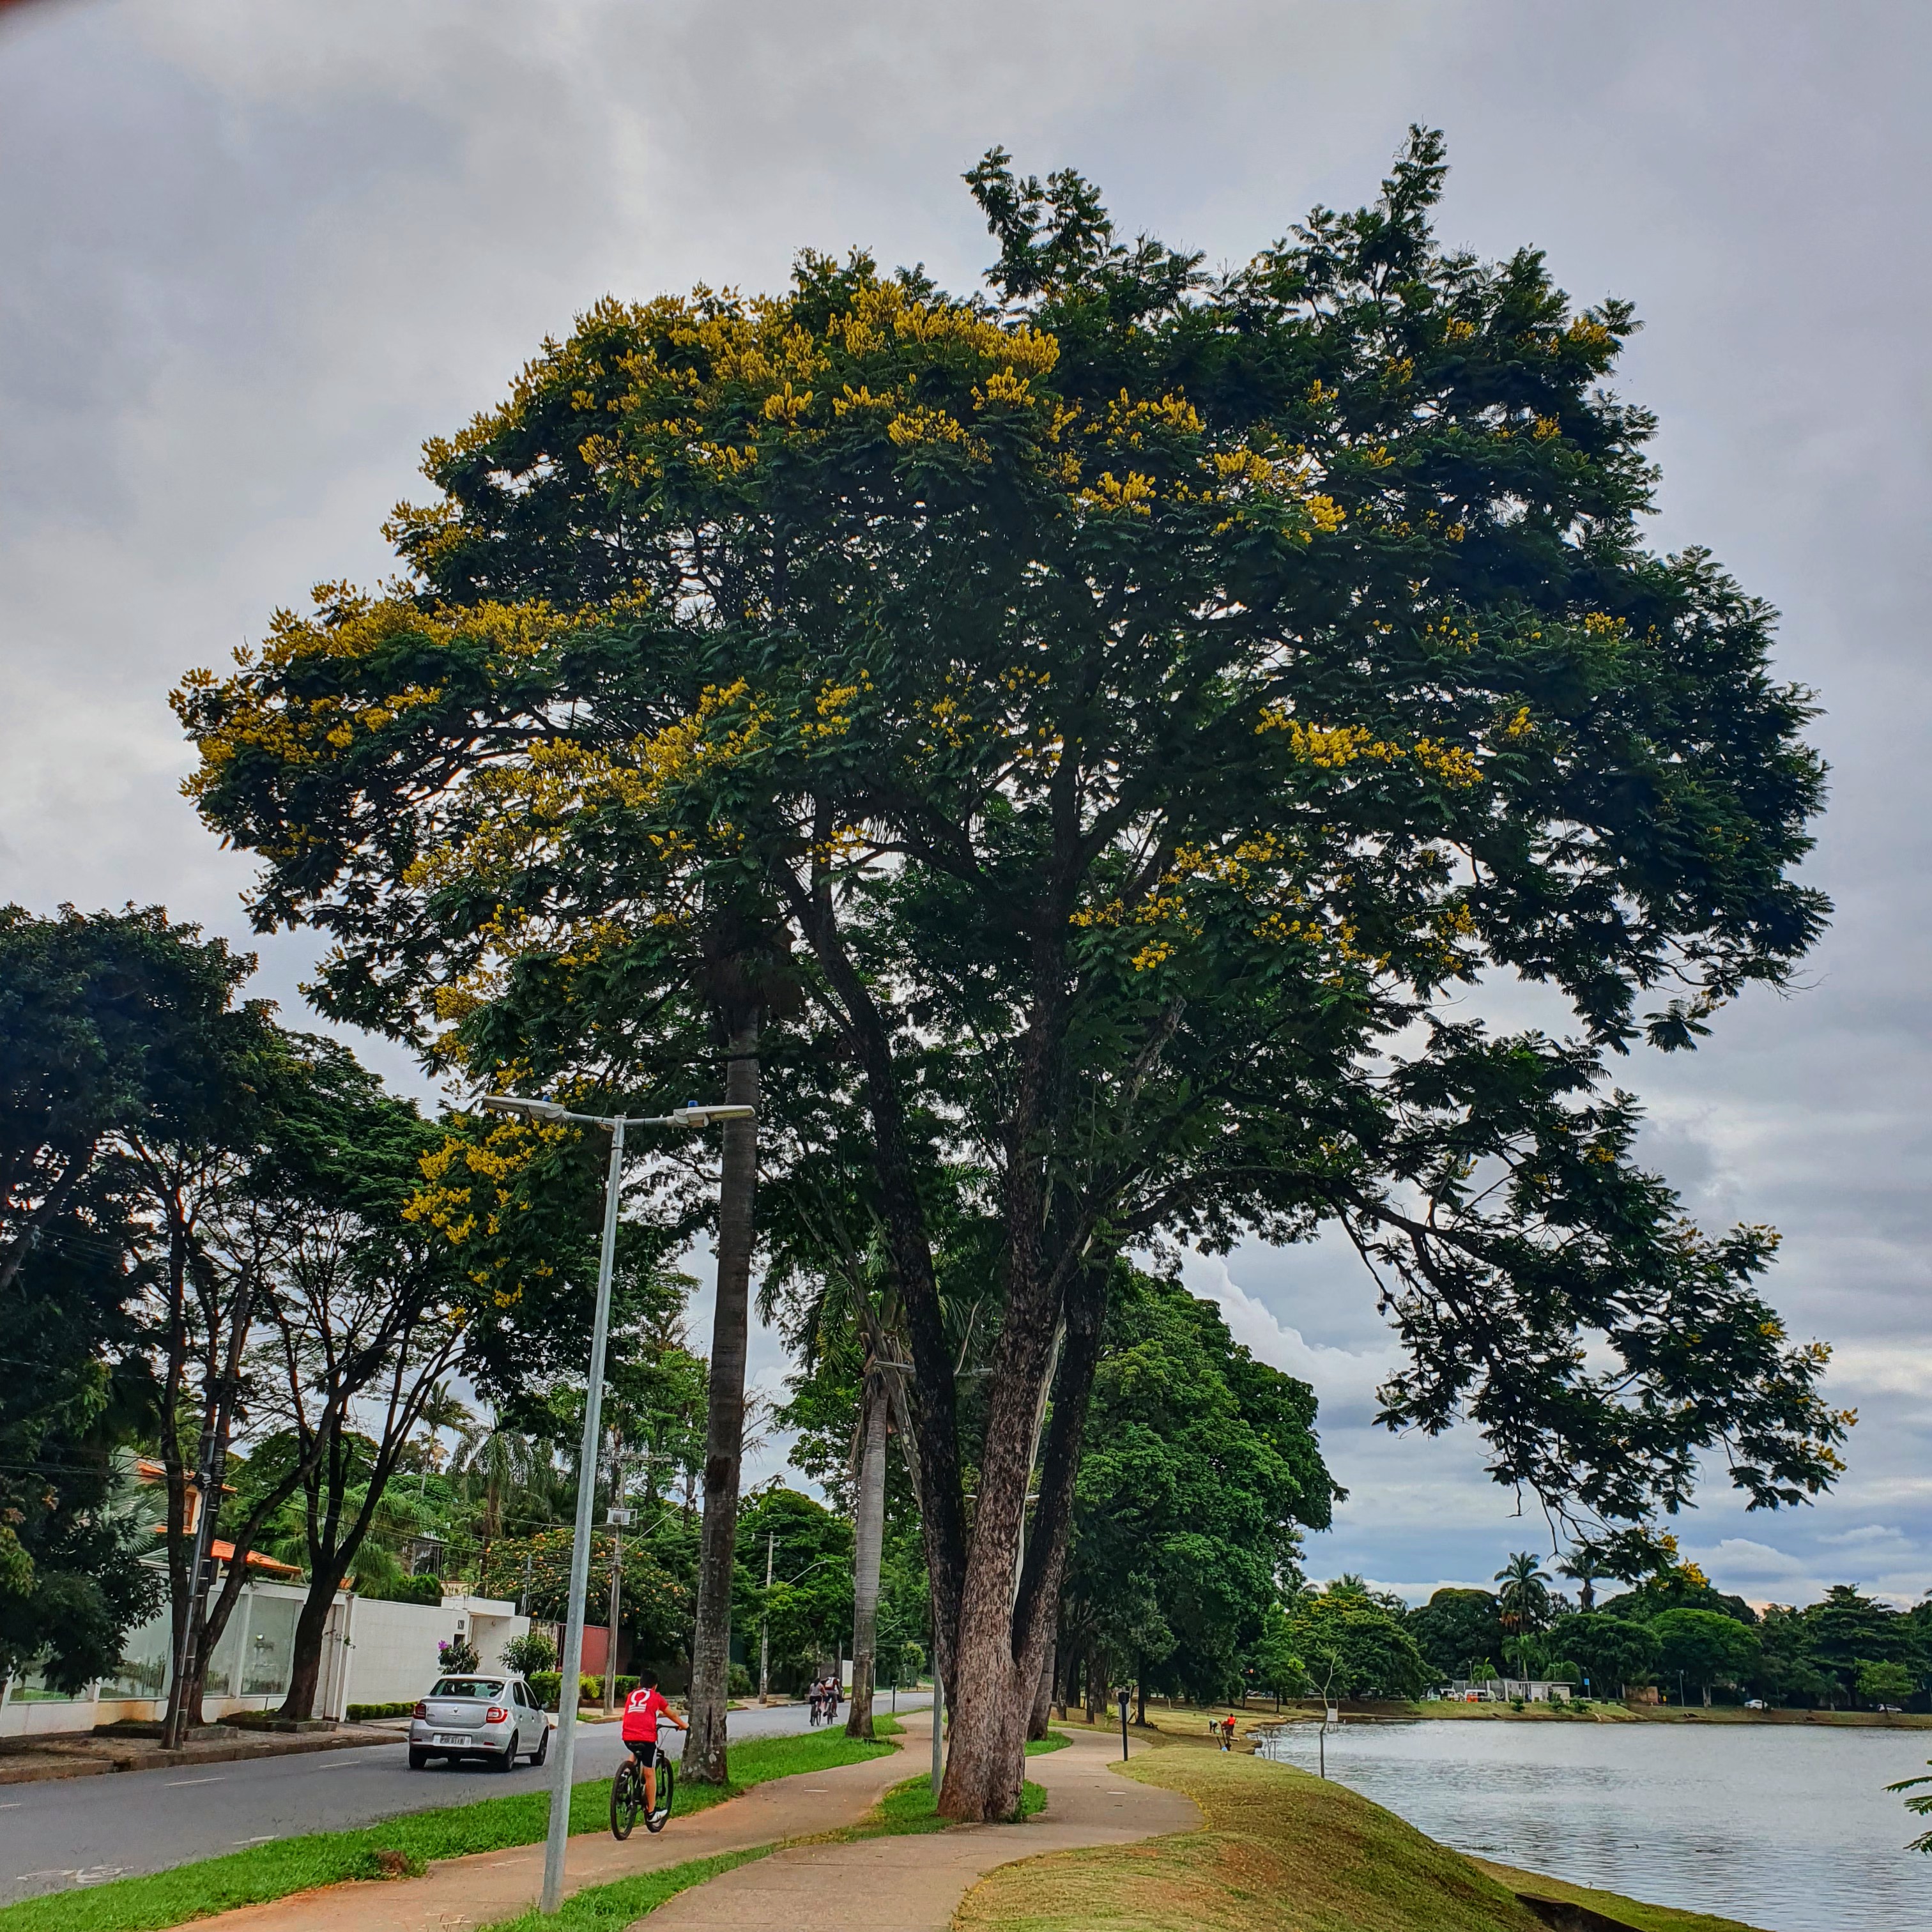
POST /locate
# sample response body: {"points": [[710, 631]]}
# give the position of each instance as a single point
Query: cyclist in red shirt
{"points": [[642, 1709]]}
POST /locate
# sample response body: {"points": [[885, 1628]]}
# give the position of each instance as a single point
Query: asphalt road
{"points": [[72, 1832]]}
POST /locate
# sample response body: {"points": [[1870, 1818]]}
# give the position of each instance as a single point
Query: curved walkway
{"points": [[456, 1894], [915, 1883]]}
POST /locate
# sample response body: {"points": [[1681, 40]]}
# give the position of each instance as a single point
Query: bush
{"points": [[406, 1590], [739, 1684], [546, 1684], [358, 1712], [530, 1654], [458, 1653]]}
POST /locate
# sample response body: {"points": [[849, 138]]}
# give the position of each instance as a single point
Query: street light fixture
{"points": [[692, 1116]]}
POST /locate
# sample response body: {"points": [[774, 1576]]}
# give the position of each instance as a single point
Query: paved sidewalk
{"points": [[915, 1883], [33, 1760], [460, 1893]]}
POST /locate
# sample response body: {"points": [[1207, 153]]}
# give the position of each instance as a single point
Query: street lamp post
{"points": [[587, 1464]]}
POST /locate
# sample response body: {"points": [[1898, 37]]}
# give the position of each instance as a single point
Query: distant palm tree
{"points": [[1523, 1601], [1349, 1587], [506, 1466], [1582, 1566]]}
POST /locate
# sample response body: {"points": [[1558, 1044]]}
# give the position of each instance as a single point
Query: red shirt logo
{"points": [[641, 1715]]}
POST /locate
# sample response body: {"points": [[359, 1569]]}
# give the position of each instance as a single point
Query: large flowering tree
{"points": [[1126, 705]]}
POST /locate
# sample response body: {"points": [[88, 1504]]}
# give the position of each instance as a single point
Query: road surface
{"points": [[83, 1831]]}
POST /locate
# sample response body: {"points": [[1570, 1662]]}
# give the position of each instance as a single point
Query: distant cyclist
{"points": [[642, 1708]]}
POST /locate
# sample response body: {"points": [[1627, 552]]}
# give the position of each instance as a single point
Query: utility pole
{"points": [[618, 1516], [765, 1625]]}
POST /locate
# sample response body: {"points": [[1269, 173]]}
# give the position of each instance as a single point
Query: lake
{"points": [[1791, 1829]]}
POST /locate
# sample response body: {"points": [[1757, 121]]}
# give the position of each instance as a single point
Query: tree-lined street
{"points": [[78, 1830]]}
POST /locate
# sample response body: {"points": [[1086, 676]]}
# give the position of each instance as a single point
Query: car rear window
{"points": [[469, 1686]]}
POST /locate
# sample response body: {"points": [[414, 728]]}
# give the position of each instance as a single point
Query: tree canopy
{"points": [[1116, 710]]}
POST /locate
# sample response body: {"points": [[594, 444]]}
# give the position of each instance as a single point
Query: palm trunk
{"points": [[869, 1538], [704, 1752]]}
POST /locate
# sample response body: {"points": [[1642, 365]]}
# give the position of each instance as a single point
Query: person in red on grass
{"points": [[642, 1710]]}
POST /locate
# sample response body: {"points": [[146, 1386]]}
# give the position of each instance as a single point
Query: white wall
{"points": [[391, 1648]]}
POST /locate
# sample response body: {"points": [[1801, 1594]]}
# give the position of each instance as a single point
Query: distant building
{"points": [[1504, 1690]]}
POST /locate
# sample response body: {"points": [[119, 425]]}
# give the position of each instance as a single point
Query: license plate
{"points": [[442, 1740]]}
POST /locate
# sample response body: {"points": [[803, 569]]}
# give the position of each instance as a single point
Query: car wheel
{"points": [[542, 1750], [418, 1758], [508, 1761]]}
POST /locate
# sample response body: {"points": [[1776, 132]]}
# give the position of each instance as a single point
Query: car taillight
{"points": [[421, 1710], [497, 1715]]}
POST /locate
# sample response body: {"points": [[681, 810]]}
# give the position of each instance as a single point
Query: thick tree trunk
{"points": [[704, 1751], [1042, 1702], [311, 1626], [868, 1539]]}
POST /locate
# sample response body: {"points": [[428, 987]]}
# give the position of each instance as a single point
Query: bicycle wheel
{"points": [[627, 1798], [656, 1820]]}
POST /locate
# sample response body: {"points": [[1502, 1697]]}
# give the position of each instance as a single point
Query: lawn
{"points": [[398, 1846], [1282, 1852]]}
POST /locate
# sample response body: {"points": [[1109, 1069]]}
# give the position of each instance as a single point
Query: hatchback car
{"points": [[490, 1715]]}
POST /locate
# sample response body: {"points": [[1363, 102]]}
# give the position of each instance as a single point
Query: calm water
{"points": [[1792, 1830]]}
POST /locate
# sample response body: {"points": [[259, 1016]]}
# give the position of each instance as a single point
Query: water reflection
{"points": [[1789, 1828]]}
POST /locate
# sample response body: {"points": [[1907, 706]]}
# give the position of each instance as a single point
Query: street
{"points": [[85, 1831]]}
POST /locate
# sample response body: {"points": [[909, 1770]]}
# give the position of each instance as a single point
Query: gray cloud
{"points": [[255, 253]]}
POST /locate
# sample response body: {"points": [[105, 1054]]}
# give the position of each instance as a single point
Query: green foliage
{"points": [[531, 1652], [406, 1590], [112, 1025], [1351, 1646], [458, 1653], [655, 1568], [358, 1713], [1616, 1653], [1886, 1683], [809, 1608], [1201, 1471], [1173, 689], [1456, 1630], [1705, 1647], [1920, 1807]]}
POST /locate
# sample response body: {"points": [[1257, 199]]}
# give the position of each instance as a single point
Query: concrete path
{"points": [[915, 1883], [461, 1893], [56, 1838]]}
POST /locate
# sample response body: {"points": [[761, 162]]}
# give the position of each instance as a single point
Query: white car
{"points": [[492, 1715]]}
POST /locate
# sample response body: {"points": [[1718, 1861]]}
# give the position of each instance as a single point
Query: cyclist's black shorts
{"points": [[644, 1750]]}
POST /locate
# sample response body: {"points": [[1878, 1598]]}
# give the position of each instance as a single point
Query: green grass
{"points": [[398, 1846], [908, 1808], [1054, 1741], [1631, 1912], [1281, 1852], [610, 1908]]}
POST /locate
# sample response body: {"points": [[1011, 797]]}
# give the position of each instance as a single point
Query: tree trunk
{"points": [[704, 1751], [311, 1625], [868, 1538], [1042, 1702]]}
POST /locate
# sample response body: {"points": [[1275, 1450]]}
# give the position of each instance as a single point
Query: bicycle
{"points": [[627, 1798]]}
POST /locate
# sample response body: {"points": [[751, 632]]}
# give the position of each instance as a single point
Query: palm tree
{"points": [[506, 1464], [1583, 1566], [1524, 1599]]}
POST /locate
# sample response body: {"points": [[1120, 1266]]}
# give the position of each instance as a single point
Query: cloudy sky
{"points": [[252, 254]]}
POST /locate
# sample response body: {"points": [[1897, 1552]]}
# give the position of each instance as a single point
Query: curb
{"points": [[90, 1766]]}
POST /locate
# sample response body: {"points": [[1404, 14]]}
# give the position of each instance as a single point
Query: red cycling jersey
{"points": [[641, 1715]]}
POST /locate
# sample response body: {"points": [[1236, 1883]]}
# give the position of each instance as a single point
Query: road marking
{"points": [[175, 1783], [262, 1839], [14, 1806]]}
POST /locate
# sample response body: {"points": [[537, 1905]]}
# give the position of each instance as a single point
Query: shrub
{"points": [[530, 1654], [739, 1682], [358, 1712], [458, 1653]]}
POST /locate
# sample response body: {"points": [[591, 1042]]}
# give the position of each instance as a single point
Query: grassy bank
{"points": [[1282, 1852], [396, 1847]]}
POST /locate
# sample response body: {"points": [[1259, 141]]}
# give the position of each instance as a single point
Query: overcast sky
{"points": [[252, 253]]}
